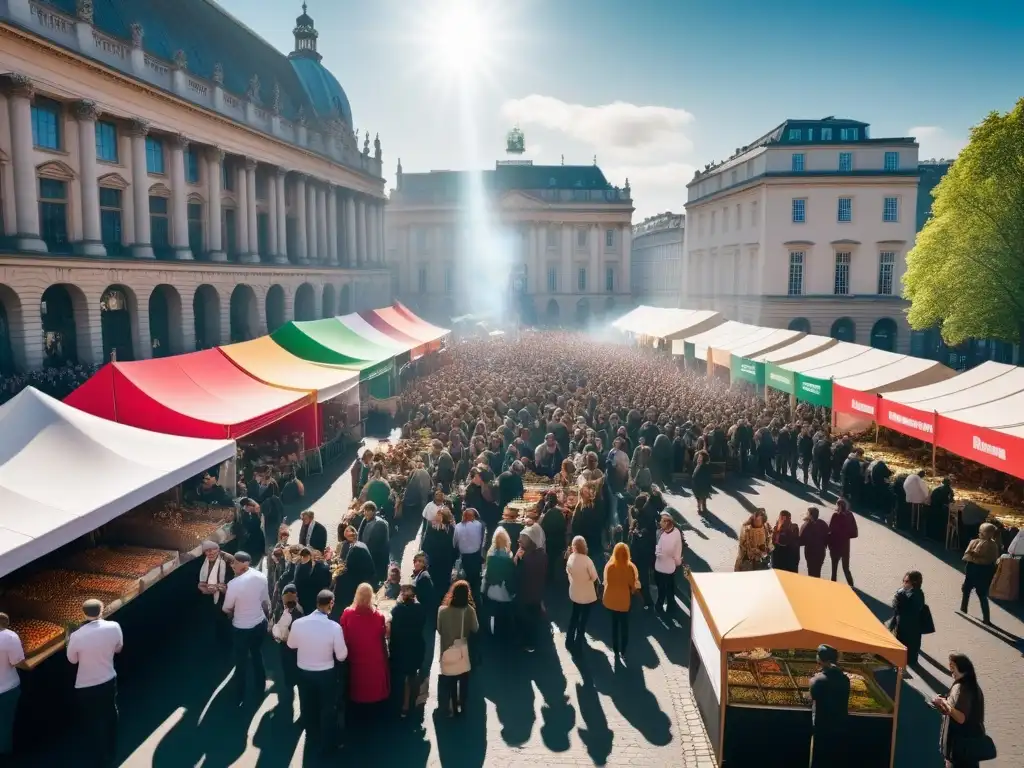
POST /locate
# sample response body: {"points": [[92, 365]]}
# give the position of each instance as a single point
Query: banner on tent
{"points": [[780, 379], [851, 401], [378, 370], [814, 391], [986, 446], [742, 369], [906, 420]]}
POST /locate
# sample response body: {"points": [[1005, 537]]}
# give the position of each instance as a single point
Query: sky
{"points": [[652, 88]]}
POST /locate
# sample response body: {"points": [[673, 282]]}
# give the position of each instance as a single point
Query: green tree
{"points": [[966, 271]]}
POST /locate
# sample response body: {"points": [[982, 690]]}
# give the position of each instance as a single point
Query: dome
{"points": [[324, 91]]}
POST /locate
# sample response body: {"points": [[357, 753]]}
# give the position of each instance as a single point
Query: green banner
{"points": [[689, 352], [780, 378], [387, 367], [743, 369], [814, 391]]}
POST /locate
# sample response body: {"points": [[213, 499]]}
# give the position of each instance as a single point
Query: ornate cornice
{"points": [[182, 141], [17, 84], [138, 127], [250, 163], [86, 110]]}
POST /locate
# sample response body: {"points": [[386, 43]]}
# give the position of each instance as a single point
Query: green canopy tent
{"points": [[798, 376], [745, 358]]}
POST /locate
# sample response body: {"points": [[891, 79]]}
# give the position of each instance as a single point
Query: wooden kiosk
{"points": [[753, 643]]}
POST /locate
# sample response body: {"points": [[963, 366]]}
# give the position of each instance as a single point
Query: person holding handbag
{"points": [[621, 581], [582, 592], [962, 736], [911, 616], [456, 620]]}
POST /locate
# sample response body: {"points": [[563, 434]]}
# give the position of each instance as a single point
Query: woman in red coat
{"points": [[365, 631], [841, 529]]}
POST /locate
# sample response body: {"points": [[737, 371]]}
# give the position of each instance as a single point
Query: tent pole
{"points": [[895, 716], [935, 438]]}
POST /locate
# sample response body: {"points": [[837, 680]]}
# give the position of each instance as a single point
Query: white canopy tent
{"points": [[721, 334], [796, 350], [667, 323], [903, 373], [64, 473], [752, 347]]}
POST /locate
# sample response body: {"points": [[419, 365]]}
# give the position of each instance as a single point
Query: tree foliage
{"points": [[966, 271]]}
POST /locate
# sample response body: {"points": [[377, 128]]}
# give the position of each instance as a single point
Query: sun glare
{"points": [[460, 37]]}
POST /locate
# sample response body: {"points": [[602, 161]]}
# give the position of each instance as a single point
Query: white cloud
{"points": [[936, 142]]}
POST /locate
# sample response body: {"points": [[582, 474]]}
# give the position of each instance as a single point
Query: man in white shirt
{"points": [[11, 655], [290, 612], [431, 509], [247, 602], [320, 644], [469, 542], [668, 555], [92, 647], [915, 489]]}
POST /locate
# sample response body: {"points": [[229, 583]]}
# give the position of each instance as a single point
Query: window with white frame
{"points": [[581, 237], [799, 210], [826, 134], [892, 161], [845, 212], [798, 162], [106, 141], [891, 209], [732, 177], [46, 123], [581, 279], [886, 272], [796, 273], [154, 155], [609, 279], [846, 161], [849, 134], [795, 134], [552, 279], [842, 281], [609, 238], [739, 216]]}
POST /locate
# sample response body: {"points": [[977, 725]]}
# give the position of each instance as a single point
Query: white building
{"points": [[566, 231], [807, 227], [169, 181], [658, 249]]}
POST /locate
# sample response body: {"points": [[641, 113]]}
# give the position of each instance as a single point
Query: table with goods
{"points": [[769, 692], [115, 564]]}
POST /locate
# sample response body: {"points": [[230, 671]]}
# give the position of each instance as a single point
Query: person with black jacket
{"points": [[643, 539], [286, 613], [821, 463], [312, 534], [805, 450], [253, 538], [375, 533]]}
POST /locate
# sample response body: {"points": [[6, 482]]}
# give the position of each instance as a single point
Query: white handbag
{"points": [[455, 660]]}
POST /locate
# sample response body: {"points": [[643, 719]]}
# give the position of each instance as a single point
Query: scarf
{"points": [[213, 575]]}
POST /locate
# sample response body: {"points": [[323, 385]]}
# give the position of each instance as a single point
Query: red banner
{"points": [[997, 450], [905, 419], [857, 403]]}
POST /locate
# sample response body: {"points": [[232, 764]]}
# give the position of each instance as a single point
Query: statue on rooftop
{"points": [[218, 73], [366, 145], [300, 116], [275, 98], [253, 93], [180, 60], [137, 34], [376, 147], [84, 10]]}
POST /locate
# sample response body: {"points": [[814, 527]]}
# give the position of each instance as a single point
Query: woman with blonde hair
{"points": [[499, 579], [582, 592], [621, 581], [365, 631], [981, 557]]}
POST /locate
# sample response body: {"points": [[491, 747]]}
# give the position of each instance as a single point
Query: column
{"points": [[321, 224], [301, 245], [382, 242], [332, 225], [253, 250], [271, 254], [361, 232], [540, 249], [594, 282], [242, 213], [214, 235], [142, 248], [92, 237], [19, 95], [351, 246], [565, 284], [282, 217], [624, 285], [372, 235], [179, 200], [312, 239]]}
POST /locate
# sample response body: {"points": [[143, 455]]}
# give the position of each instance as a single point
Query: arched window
{"points": [[883, 335], [801, 324], [843, 329]]}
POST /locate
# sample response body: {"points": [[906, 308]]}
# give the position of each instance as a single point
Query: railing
{"points": [[111, 46], [48, 18], [157, 66], [198, 88]]}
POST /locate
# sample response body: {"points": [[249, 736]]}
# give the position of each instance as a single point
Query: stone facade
{"points": [[658, 248]]}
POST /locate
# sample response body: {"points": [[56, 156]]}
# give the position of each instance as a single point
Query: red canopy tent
{"points": [[372, 317], [201, 394], [432, 331]]}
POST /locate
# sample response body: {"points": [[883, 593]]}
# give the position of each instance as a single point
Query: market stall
{"points": [[695, 346], [201, 394], [785, 376], [659, 325], [753, 640], [744, 356], [855, 396], [429, 329]]}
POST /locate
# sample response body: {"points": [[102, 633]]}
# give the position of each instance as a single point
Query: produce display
{"points": [[769, 667], [740, 695], [37, 635], [170, 526], [740, 677], [784, 698], [775, 681], [133, 562]]}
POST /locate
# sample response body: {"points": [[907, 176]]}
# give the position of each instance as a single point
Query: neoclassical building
{"points": [[658, 247], [170, 181], [564, 230]]}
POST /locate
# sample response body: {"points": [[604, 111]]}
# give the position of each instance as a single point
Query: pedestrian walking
{"points": [[842, 529], [981, 557], [319, 645], [287, 614], [582, 592], [643, 539], [701, 478], [407, 644], [830, 696], [456, 621], [92, 647], [621, 581], [908, 620], [12, 653], [365, 630], [814, 540], [469, 544], [499, 585], [247, 602], [962, 736], [668, 556], [786, 544]]}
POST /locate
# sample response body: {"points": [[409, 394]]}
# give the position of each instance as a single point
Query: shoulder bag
{"points": [[975, 749], [455, 660], [927, 622]]}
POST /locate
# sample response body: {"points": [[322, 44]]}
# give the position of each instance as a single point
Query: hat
{"points": [[290, 589], [828, 654]]}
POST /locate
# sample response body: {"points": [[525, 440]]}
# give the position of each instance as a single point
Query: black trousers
{"points": [[456, 689], [620, 631], [318, 699], [97, 711], [977, 579], [248, 646], [578, 623], [529, 617], [666, 583], [645, 570], [289, 676], [841, 556], [472, 566]]}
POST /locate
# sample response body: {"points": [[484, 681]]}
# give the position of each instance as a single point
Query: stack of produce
{"points": [[132, 562], [171, 527], [36, 635], [57, 596]]}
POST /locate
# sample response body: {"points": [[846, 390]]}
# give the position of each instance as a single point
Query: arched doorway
{"points": [[883, 335], [345, 301], [116, 324], [582, 312], [60, 330], [275, 308], [552, 312], [843, 329], [800, 324], [165, 321], [206, 310], [10, 322], [245, 318], [330, 301], [305, 303]]}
